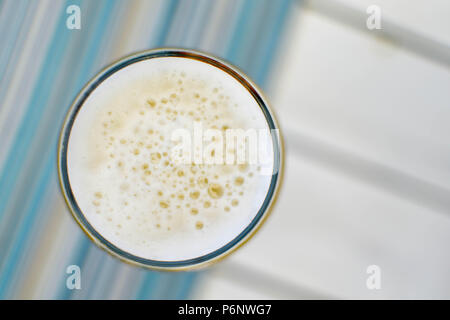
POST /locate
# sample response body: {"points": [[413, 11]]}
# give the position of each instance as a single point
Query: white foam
{"points": [[117, 160]]}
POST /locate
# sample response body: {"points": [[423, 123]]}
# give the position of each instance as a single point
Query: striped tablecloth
{"points": [[43, 65]]}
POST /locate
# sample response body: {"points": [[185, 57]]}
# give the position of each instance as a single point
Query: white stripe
{"points": [[218, 36], [27, 71], [145, 27], [8, 16], [197, 29], [17, 31], [58, 256], [69, 233], [181, 20], [127, 280]]}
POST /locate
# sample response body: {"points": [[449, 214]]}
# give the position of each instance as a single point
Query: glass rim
{"points": [[176, 265]]}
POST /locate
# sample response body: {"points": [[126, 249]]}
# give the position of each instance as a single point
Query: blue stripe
{"points": [[18, 173], [26, 178], [195, 34], [267, 55], [165, 22], [48, 76], [168, 285], [104, 277], [85, 244], [238, 34], [253, 33], [12, 36], [148, 285], [50, 165], [89, 266], [15, 160], [183, 17], [13, 256], [186, 285], [16, 155], [7, 17]]}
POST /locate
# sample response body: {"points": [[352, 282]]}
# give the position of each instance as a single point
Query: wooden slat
{"points": [[327, 228], [429, 18], [367, 96], [367, 179]]}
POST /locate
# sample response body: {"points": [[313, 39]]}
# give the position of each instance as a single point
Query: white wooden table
{"points": [[366, 119]]}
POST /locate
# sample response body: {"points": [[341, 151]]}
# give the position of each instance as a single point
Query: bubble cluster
{"points": [[137, 140]]}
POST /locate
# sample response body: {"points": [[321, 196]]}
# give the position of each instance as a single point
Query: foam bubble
{"points": [[122, 175]]}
